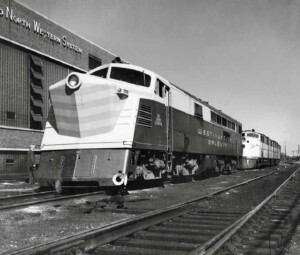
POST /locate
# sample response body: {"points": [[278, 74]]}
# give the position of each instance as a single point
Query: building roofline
{"points": [[21, 129], [44, 16], [41, 53], [14, 149]]}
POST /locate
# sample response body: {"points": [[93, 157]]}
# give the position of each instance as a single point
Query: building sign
{"points": [[38, 29]]}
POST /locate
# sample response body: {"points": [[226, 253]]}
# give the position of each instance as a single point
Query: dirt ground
{"points": [[47, 222], [293, 247]]}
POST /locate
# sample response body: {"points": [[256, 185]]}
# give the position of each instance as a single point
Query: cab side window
{"points": [[198, 111], [160, 88]]}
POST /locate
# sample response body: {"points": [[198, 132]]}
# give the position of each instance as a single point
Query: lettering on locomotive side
{"points": [[215, 136], [216, 143]]}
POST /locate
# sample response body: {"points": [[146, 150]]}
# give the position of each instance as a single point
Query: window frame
{"points": [[147, 79], [11, 115], [93, 73], [12, 161], [160, 88], [94, 58], [198, 114]]}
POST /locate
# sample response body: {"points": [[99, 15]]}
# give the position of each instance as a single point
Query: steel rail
{"points": [[19, 205], [93, 238], [26, 195], [212, 246]]}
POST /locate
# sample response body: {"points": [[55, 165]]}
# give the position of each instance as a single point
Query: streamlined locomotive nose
{"points": [[85, 105]]}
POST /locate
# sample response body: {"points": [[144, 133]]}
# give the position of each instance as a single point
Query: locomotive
{"points": [[258, 150], [120, 122]]}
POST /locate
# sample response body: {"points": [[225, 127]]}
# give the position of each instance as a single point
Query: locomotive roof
{"points": [[172, 84], [260, 134], [207, 104]]}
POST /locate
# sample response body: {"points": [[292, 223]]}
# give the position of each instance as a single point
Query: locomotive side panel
{"points": [[190, 134], [150, 130], [195, 135]]}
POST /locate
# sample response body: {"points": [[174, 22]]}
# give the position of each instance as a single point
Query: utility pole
{"points": [[294, 152], [284, 150]]}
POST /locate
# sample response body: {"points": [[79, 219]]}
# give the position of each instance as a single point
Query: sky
{"points": [[241, 56]]}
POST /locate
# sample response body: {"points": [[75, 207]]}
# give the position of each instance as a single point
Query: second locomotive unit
{"points": [[258, 150], [121, 122]]}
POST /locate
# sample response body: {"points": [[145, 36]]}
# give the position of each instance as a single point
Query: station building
{"points": [[35, 53]]}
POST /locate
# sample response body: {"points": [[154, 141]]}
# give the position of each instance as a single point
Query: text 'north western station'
{"points": [[8, 14]]}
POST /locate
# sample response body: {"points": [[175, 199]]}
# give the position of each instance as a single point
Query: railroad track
{"points": [[179, 229], [267, 228], [13, 202]]}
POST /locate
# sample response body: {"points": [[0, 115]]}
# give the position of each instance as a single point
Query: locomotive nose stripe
{"points": [[83, 114]]}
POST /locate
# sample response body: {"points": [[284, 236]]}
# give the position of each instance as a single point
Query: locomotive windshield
{"points": [[252, 135], [130, 76], [100, 73]]}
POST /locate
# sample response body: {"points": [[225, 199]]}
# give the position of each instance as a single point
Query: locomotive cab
{"points": [[91, 130]]}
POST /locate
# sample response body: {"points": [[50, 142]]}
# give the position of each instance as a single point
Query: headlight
{"points": [[73, 81]]}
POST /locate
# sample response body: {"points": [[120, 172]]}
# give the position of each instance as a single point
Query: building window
{"points": [[11, 115], [9, 162], [94, 62], [198, 111]]}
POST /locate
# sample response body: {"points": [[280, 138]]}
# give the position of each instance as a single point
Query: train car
{"points": [[120, 123], [258, 150]]}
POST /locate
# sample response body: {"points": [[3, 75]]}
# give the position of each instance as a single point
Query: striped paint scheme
{"points": [[90, 110]]}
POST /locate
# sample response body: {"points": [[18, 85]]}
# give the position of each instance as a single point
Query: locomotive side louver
{"points": [[144, 117]]}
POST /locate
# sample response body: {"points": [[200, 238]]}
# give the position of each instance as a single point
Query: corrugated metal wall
{"points": [[15, 85], [15, 97], [14, 89]]}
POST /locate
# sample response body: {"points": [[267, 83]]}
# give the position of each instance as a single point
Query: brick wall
{"points": [[19, 139], [17, 168], [16, 142]]}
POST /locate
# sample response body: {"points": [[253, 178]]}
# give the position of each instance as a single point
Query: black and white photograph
{"points": [[149, 127]]}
